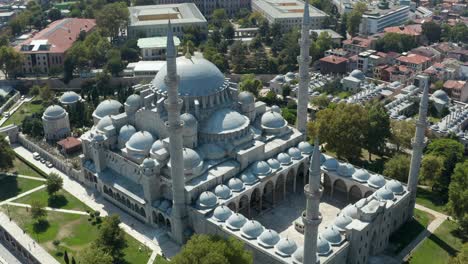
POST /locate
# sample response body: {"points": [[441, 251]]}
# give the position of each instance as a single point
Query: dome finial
{"points": [[188, 54]]}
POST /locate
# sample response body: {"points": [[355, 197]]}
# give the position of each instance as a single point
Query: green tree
{"points": [[378, 129], [452, 151], [113, 17], [402, 133], [6, 154], [431, 169], [213, 249], [250, 84], [95, 254], [228, 31], [320, 45], [54, 14], [432, 31], [320, 101], [114, 62], [238, 55], [10, 61], [46, 94], [54, 183], [65, 257], [458, 196], [111, 238], [354, 18], [218, 17], [37, 210], [397, 167], [461, 257]]}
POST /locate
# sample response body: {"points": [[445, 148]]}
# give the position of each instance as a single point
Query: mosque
{"points": [[190, 153]]}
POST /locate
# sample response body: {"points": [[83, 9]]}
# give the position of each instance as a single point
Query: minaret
{"points": [[174, 125], [304, 78], [313, 218], [418, 145]]}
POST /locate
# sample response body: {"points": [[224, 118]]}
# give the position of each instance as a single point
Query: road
{"points": [[14, 108]]}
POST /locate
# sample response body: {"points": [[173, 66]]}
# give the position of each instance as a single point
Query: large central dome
{"points": [[198, 77]]}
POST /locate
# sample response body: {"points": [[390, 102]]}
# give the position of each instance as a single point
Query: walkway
{"points": [[25, 177], [67, 211], [439, 218], [15, 107], [22, 194]]}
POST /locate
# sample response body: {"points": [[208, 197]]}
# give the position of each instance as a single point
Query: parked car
{"points": [[6, 114], [36, 156], [49, 164], [42, 160]]}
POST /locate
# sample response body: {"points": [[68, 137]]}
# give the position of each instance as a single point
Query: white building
{"points": [[208, 6], [288, 13], [55, 122], [151, 20], [381, 15], [154, 48]]}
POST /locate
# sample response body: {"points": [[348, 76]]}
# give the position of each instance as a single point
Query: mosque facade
{"points": [[190, 153]]}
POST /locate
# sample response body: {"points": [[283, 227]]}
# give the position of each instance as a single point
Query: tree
{"points": [[95, 254], [111, 238], [452, 151], [238, 56], [343, 25], [54, 14], [354, 17], [402, 133], [378, 129], [114, 62], [461, 257], [113, 17], [54, 183], [431, 169], [10, 61], [65, 257], [213, 249], [46, 93], [432, 31], [37, 210], [228, 31], [396, 42], [458, 196], [397, 167], [32, 125], [6, 154], [250, 84], [73, 261], [320, 101], [218, 17]]}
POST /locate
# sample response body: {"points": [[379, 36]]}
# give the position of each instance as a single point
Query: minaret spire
{"points": [[418, 145], [313, 218], [304, 78], [174, 125]]}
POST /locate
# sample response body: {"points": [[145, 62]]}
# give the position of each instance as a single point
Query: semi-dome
{"points": [[384, 194], [207, 200], [197, 77], [54, 112], [305, 147], [133, 100], [157, 145], [107, 107], [341, 221], [323, 246], [236, 221], [357, 74], [103, 123], [294, 153], [361, 175], [246, 98], [126, 132], [441, 95], [330, 164], [272, 120], [332, 235], [191, 159], [252, 229], [222, 191], [274, 164], [261, 168], [69, 98], [285, 247], [345, 170], [235, 184], [395, 186], [248, 178], [268, 238], [189, 120], [284, 158], [225, 121], [222, 213], [140, 141], [376, 181]]}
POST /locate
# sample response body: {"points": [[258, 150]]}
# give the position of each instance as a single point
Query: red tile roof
{"points": [[358, 41], [333, 59], [69, 142], [61, 34], [453, 84], [410, 30], [414, 59]]}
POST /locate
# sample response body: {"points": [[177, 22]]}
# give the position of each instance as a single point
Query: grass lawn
{"points": [[19, 167], [62, 200], [160, 260], [408, 231], [74, 232], [13, 186], [438, 247], [25, 110], [430, 200]]}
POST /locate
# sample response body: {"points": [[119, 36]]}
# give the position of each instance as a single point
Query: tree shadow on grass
{"points": [[405, 234], [57, 201], [431, 196], [41, 226], [449, 249], [9, 187]]}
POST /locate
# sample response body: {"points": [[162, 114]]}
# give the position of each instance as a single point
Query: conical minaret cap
{"points": [[170, 47], [306, 17], [315, 162]]}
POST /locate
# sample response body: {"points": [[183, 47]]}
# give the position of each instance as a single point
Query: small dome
{"points": [[107, 107], [189, 120], [222, 213], [330, 164], [268, 238], [332, 235], [103, 123], [133, 100], [275, 109], [395, 186], [69, 98], [441, 95], [295, 153], [298, 256], [140, 141], [261, 168], [54, 112], [323, 246], [305, 147], [376, 181], [272, 119], [157, 145], [246, 98], [191, 159], [351, 211], [284, 159], [207, 200], [384, 194], [99, 138], [248, 178], [126, 132], [285, 247], [342, 221], [361, 175], [165, 205], [236, 221], [235, 184], [222, 191], [274, 164], [225, 121], [148, 163], [345, 170], [252, 229], [357, 74]]}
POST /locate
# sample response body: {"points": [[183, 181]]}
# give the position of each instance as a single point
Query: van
{"points": [[36, 156]]}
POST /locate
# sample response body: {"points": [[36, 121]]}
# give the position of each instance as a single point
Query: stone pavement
{"points": [[156, 239], [67, 211]]}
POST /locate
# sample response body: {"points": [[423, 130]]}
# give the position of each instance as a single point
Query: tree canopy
{"points": [[402, 133], [113, 17], [250, 84], [431, 169], [10, 61], [93, 254], [458, 195], [6, 154], [379, 128], [111, 238], [354, 18], [432, 31], [37, 210], [397, 167], [54, 183]]}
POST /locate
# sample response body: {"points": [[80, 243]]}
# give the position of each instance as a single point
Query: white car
{"points": [[36, 156], [49, 164], [42, 160]]}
